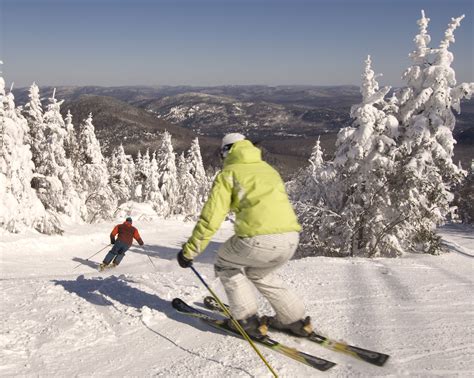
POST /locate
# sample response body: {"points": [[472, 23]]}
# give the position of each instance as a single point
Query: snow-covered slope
{"points": [[60, 317]]}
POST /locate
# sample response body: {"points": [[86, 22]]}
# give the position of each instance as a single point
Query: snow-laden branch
{"points": [[449, 33]]}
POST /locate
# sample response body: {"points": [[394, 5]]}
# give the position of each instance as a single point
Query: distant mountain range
{"points": [[286, 120], [331, 96], [118, 122], [216, 115], [258, 111]]}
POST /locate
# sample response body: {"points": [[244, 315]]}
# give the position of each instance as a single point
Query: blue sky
{"points": [[203, 42]]}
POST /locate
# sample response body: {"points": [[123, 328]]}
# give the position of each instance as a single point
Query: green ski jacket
{"points": [[250, 188]]}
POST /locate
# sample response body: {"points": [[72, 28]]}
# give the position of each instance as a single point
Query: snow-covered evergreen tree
{"points": [[308, 184], [168, 180], [122, 175], [33, 112], [195, 164], [391, 178], [145, 172], [139, 178], [364, 159], [19, 205], [183, 179], [55, 174], [344, 204], [316, 160], [427, 173], [70, 142], [308, 190], [142, 173], [100, 203], [464, 198], [152, 192], [71, 148], [194, 183]]}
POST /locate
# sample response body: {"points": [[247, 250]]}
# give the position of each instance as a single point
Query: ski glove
{"points": [[112, 240], [183, 261]]}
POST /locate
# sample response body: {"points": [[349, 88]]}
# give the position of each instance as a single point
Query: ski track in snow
{"points": [[58, 320]]}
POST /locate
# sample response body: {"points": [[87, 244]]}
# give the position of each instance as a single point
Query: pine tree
{"points": [[168, 181], [70, 142], [196, 167], [152, 191], [145, 170], [142, 173], [464, 198], [308, 190], [183, 180], [347, 209], [365, 161], [20, 207], [191, 192], [426, 170], [139, 178], [99, 200], [122, 172], [55, 174], [308, 184], [33, 112], [316, 160], [195, 182], [389, 183]]}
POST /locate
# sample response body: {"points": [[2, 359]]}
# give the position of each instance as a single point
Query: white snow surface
{"points": [[60, 317]]}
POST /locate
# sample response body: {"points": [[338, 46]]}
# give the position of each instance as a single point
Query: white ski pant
{"points": [[242, 261]]}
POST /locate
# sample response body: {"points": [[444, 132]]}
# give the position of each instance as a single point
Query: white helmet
{"points": [[228, 141], [231, 139]]}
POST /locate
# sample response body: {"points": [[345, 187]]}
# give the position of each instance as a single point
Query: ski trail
{"points": [[369, 312], [126, 306], [36, 327], [395, 312], [61, 322], [453, 246], [451, 272], [147, 323], [149, 318], [243, 362], [420, 317]]}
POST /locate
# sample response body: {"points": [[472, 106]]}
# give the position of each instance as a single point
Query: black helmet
{"points": [[129, 219]]}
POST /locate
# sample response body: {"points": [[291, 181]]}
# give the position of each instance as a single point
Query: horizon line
{"points": [[186, 85]]}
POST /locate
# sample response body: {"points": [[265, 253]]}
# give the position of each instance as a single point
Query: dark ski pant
{"points": [[117, 253]]}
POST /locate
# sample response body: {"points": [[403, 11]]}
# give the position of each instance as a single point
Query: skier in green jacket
{"points": [[266, 237]]}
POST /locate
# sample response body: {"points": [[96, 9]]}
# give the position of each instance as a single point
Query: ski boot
{"points": [[253, 325], [102, 267], [301, 328]]}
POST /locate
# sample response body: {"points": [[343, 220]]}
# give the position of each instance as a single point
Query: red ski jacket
{"points": [[126, 233]]}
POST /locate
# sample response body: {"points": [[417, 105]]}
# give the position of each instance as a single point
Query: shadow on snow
{"points": [[157, 251], [89, 263], [168, 253], [101, 291]]}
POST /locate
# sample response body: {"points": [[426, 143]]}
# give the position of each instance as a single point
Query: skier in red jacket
{"points": [[126, 233]]}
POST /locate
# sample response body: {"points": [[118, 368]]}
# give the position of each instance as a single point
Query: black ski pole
{"points": [[152, 263], [91, 257]]}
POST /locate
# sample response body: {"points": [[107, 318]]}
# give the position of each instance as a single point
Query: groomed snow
{"points": [[62, 318]]}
